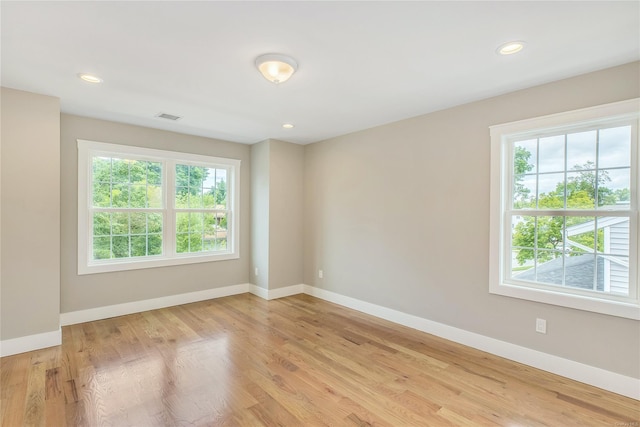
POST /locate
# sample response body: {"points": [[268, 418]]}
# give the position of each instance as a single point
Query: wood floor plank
{"points": [[295, 361]]}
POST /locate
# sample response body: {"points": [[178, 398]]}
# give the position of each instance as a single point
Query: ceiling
{"points": [[361, 64]]}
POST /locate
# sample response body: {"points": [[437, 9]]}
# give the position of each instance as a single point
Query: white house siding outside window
{"points": [[141, 208], [564, 199]]}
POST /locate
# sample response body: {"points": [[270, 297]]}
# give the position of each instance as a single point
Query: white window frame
{"points": [[501, 177], [88, 149]]}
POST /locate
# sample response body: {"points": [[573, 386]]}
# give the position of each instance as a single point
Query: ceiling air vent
{"points": [[168, 116]]}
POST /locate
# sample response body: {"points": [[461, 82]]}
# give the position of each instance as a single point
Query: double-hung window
{"points": [[564, 220], [141, 208]]}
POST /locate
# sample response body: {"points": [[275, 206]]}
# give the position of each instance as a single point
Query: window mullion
{"points": [[169, 226]]}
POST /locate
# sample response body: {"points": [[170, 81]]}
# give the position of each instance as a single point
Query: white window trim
{"points": [[500, 161], [85, 266]]}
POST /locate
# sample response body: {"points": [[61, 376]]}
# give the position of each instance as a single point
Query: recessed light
{"points": [[288, 126], [90, 78], [510, 48]]}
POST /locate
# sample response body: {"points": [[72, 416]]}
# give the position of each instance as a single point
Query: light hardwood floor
{"points": [[295, 361]]}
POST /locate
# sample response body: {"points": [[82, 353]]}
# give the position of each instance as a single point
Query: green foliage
{"points": [[124, 183], [136, 184], [546, 232]]}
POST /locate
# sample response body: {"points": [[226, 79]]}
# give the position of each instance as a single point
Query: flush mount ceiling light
{"points": [[275, 67], [89, 78], [510, 48], [288, 126]]}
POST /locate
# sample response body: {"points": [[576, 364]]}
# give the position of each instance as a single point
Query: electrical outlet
{"points": [[541, 326], [320, 274], [256, 271]]}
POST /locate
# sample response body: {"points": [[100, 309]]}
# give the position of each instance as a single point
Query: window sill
{"points": [[126, 265], [579, 302]]}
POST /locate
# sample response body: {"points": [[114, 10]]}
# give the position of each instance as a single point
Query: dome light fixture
{"points": [[90, 78], [275, 67], [510, 48], [288, 125]]}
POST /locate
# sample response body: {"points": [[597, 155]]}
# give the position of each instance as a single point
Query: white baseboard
{"points": [[607, 380], [98, 313], [30, 343], [270, 294]]}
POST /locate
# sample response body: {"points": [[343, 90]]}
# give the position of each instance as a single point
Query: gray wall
{"points": [[398, 216], [96, 290], [277, 178], [30, 170]]}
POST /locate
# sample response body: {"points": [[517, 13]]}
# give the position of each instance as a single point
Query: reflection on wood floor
{"points": [[295, 361]]}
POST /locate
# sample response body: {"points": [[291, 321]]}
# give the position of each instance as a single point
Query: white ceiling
{"points": [[361, 64]]}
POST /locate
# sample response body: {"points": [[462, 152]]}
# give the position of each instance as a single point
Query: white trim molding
{"points": [[30, 343], [270, 294], [504, 137], [98, 313]]}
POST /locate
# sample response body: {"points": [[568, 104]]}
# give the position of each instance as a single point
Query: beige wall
{"points": [[260, 214], [286, 214], [398, 216], [30, 169], [277, 176], [96, 290]]}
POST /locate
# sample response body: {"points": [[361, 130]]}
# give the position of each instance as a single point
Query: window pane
{"points": [[182, 242], [523, 234], [182, 197], [138, 196], [614, 148], [182, 176], [613, 235], [138, 246], [581, 237], [182, 222], [101, 194], [138, 223], [154, 222], [155, 244], [138, 172], [614, 188], [549, 267], [195, 242], [120, 195], [616, 274], [551, 191], [120, 246], [101, 169], [581, 190], [154, 197], [522, 261], [101, 224], [551, 154], [195, 222], [524, 192], [101, 248], [119, 223], [524, 156], [209, 225], [154, 173], [195, 199], [580, 272], [549, 233], [120, 171], [581, 148], [209, 198]]}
